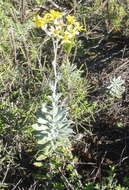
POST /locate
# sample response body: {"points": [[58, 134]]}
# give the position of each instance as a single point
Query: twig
{"points": [[22, 11], [99, 169], [121, 66], [17, 184], [6, 173], [54, 4], [121, 159], [68, 185]]}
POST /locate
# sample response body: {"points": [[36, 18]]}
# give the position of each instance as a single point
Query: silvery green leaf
{"points": [[54, 111], [66, 125], [60, 115], [42, 121], [44, 154], [44, 128], [48, 117], [42, 157], [68, 132], [53, 128], [115, 88], [37, 127], [43, 141], [44, 108]]}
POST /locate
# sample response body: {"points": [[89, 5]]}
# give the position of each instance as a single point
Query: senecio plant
{"points": [[53, 129], [116, 88]]}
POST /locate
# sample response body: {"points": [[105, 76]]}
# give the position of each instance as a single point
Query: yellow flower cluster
{"points": [[56, 25]]}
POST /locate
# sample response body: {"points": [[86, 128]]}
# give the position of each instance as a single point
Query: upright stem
{"points": [[54, 64]]}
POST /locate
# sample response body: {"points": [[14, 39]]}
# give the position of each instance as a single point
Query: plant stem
{"points": [[54, 64]]}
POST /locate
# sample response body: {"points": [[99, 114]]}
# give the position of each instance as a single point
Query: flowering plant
{"points": [[57, 25], [53, 129]]}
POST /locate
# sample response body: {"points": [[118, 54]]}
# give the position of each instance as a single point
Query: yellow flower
{"points": [[55, 32], [47, 17], [71, 19], [39, 21], [78, 26], [72, 32], [55, 14], [67, 37]]}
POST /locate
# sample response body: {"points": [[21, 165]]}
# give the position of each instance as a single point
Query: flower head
{"points": [[55, 14], [71, 19], [56, 25], [73, 31], [78, 26], [55, 31], [67, 38], [39, 21]]}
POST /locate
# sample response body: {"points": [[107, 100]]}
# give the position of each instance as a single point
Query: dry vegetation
{"points": [[99, 157]]}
